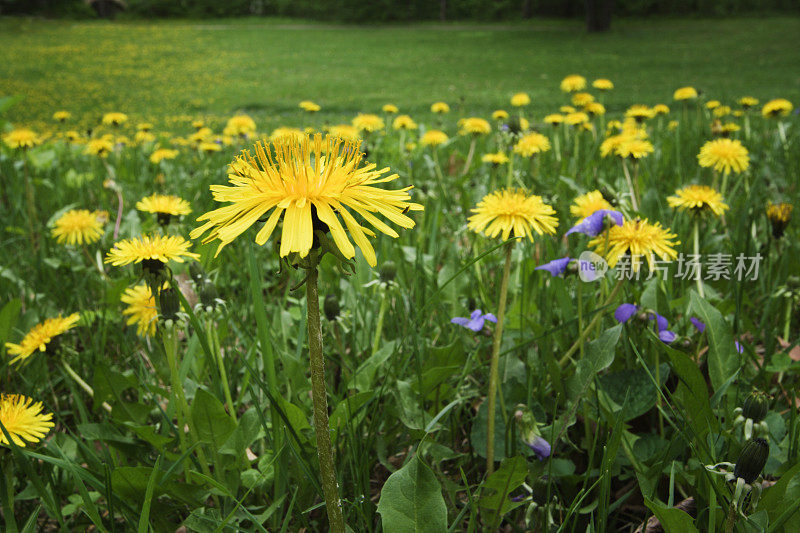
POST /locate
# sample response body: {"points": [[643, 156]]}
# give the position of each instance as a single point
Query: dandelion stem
{"points": [[470, 155], [590, 327], [213, 342], [498, 339], [376, 341], [85, 386], [788, 319], [33, 217], [330, 488], [634, 199], [698, 274], [170, 341]]}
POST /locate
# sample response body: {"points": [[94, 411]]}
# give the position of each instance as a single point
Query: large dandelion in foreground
{"points": [[292, 180], [310, 184], [724, 155], [23, 420], [637, 238]]}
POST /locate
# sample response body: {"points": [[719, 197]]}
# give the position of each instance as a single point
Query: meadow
{"points": [[528, 279]]}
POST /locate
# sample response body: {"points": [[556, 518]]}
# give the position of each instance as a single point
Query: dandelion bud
{"points": [[388, 271], [196, 272], [756, 406], [331, 307], [752, 460], [779, 217], [169, 303], [208, 294]]}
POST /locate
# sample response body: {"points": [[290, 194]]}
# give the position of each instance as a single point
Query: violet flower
{"points": [[556, 267], [539, 446], [593, 224], [624, 312], [701, 327], [475, 321]]}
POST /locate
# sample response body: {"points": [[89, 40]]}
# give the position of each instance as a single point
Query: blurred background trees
{"points": [[598, 13]]}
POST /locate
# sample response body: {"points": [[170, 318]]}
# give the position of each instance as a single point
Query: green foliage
{"points": [[411, 501]]}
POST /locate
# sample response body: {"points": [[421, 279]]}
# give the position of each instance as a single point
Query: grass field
{"points": [[157, 70]]}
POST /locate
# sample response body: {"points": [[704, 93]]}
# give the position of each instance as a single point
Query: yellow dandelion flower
{"points": [[747, 102], [41, 334], [99, 147], [611, 143], [433, 138], [673, 125], [698, 198], [161, 154], [602, 84], [722, 111], [573, 83], [390, 109], [141, 309], [143, 137], [566, 109], [21, 138], [779, 107], [474, 126], [724, 155], [309, 106], [209, 147], [685, 93], [498, 158], [639, 238], [149, 249], [440, 108], [114, 119], [588, 203], [144, 126], [345, 131], [23, 420], [62, 116], [661, 109], [640, 112], [779, 216], [197, 124], [595, 108], [576, 119], [713, 104], [554, 119], [78, 226], [499, 114], [294, 181], [277, 133], [582, 99], [164, 204], [404, 122], [511, 211], [531, 143], [520, 100], [240, 125], [368, 122], [633, 148]]}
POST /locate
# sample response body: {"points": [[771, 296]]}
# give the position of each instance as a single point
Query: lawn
{"points": [[163, 69]]}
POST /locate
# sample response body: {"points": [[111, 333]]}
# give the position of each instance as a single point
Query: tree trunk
{"points": [[598, 15], [442, 10]]}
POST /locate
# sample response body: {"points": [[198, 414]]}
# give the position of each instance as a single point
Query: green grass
{"points": [[165, 69]]}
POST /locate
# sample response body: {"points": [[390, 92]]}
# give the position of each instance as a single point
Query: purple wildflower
{"points": [[701, 327], [556, 267], [624, 312], [539, 446], [475, 320], [593, 224]]}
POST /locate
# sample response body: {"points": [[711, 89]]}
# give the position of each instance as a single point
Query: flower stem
{"points": [[634, 199], [85, 386], [698, 274], [213, 342], [590, 327], [498, 339], [376, 341], [788, 319], [330, 488], [470, 155]]}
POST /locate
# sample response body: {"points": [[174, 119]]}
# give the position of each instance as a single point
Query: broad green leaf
{"points": [[673, 520], [479, 429], [247, 431], [496, 489], [211, 422], [411, 501], [636, 385], [723, 360]]}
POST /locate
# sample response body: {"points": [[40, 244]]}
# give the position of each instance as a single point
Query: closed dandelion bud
{"points": [[752, 460], [331, 307], [756, 406], [208, 294], [169, 303], [388, 271]]}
